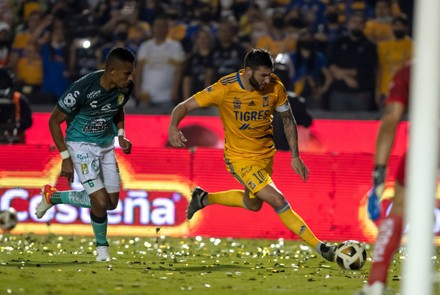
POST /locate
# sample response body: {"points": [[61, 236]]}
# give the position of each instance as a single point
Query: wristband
{"points": [[65, 154], [121, 132]]}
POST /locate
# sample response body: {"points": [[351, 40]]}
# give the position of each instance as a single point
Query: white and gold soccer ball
{"points": [[351, 255], [8, 219]]}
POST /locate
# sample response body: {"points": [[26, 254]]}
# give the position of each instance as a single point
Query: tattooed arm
{"points": [[291, 132]]}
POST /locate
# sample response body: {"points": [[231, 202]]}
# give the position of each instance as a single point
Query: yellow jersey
{"points": [[246, 115], [392, 56]]}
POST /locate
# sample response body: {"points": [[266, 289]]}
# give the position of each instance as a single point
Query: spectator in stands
{"points": [[311, 76], [159, 69], [277, 40], [5, 43], [13, 131], [352, 61], [228, 54], [393, 54], [25, 59], [329, 31], [55, 57], [380, 28], [149, 9], [199, 68], [119, 39]]}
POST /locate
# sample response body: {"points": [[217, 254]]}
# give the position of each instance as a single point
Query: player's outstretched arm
{"points": [[391, 117], [291, 132], [175, 136]]}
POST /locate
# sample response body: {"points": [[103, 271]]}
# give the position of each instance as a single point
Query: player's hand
{"points": [[300, 168], [373, 206], [176, 138], [125, 144], [379, 175], [67, 169]]}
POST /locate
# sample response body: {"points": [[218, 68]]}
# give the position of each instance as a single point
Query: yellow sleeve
{"points": [[211, 95]]}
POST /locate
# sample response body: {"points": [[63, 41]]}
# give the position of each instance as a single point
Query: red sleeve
{"points": [[399, 87]]}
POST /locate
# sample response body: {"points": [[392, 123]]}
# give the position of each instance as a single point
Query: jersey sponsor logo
{"points": [[70, 99], [252, 115], [93, 94], [83, 157], [96, 126], [237, 103], [266, 101], [251, 184], [120, 99], [107, 107]]}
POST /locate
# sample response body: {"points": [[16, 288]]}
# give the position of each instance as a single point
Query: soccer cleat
{"points": [[197, 196], [102, 253], [374, 208], [46, 192], [377, 288], [328, 252]]}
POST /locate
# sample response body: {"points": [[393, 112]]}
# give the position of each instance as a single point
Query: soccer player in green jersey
{"points": [[93, 108]]}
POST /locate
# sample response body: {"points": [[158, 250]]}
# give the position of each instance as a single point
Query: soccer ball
{"points": [[351, 255], [8, 219]]}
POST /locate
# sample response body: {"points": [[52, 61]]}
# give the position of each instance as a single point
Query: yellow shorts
{"points": [[254, 175]]}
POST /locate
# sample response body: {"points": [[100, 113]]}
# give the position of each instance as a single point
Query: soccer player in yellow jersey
{"points": [[246, 101]]}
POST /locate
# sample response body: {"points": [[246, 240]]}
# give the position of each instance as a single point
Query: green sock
{"points": [[99, 229], [74, 198]]}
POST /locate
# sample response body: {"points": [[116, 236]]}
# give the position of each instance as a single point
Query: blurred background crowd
{"points": [[338, 55]]}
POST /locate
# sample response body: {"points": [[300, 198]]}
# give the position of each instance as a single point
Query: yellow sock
{"points": [[231, 198], [296, 224]]}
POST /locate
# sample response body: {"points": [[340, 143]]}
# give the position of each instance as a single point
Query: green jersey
{"points": [[91, 109]]}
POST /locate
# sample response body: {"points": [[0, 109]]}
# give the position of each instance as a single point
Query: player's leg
{"points": [[271, 195], [85, 158], [231, 198], [388, 237], [51, 196], [103, 200]]}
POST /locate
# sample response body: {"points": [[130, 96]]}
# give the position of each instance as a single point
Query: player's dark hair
{"points": [[259, 57], [121, 54]]}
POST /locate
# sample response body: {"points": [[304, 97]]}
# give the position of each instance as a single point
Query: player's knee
{"points": [[278, 201], [112, 205], [254, 207], [100, 204]]}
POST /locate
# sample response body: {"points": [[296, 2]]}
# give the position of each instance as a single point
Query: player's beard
{"points": [[254, 83]]}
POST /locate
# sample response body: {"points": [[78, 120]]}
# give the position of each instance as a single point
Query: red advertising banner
{"points": [[156, 184]]}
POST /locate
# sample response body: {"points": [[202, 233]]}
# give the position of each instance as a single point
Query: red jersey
{"points": [[399, 92], [399, 86]]}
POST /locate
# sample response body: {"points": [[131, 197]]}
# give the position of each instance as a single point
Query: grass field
{"points": [[31, 264]]}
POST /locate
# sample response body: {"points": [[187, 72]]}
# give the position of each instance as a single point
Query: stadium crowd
{"points": [[338, 55]]}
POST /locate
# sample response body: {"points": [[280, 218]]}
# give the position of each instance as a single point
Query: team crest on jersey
{"points": [[237, 103], [251, 184], [84, 168], [120, 99], [266, 101]]}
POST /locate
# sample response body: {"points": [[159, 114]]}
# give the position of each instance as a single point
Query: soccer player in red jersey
{"points": [[391, 227]]}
